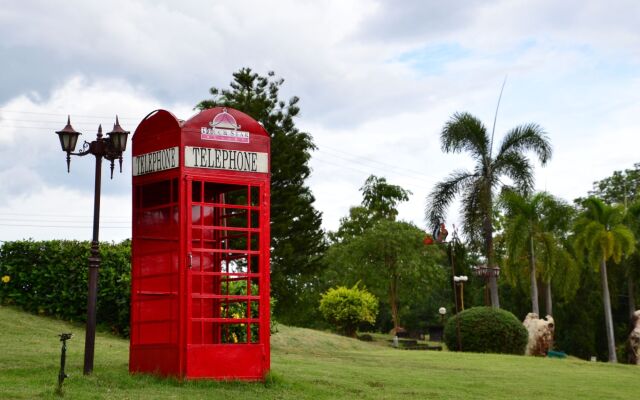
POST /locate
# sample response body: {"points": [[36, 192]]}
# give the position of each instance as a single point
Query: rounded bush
{"points": [[347, 308], [486, 330]]}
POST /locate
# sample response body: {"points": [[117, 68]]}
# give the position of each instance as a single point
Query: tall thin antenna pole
{"points": [[495, 117]]}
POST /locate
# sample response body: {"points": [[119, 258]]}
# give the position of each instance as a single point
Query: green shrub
{"points": [[486, 330], [50, 278], [347, 308]]}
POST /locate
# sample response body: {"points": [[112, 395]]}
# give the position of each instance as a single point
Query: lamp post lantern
{"points": [[487, 273], [459, 282], [109, 148], [442, 311]]}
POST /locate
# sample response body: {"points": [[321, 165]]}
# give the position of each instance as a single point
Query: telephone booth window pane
{"points": [[196, 191], [234, 194], [239, 265], [155, 194], [174, 191], [176, 216], [210, 284], [207, 308], [255, 196], [207, 262], [138, 196], [234, 286], [255, 286], [255, 219], [235, 334], [255, 241], [235, 240], [196, 262], [196, 309], [255, 333], [196, 284], [196, 238], [196, 332], [255, 264], [255, 309], [195, 215], [207, 213], [210, 192]]}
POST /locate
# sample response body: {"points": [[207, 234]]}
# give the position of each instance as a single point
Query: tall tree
{"points": [[464, 132], [559, 264], [390, 259], [531, 233], [388, 256], [601, 235], [623, 187], [379, 201], [297, 239], [382, 198], [632, 264]]}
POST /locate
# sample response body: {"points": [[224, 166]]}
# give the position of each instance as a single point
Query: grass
{"points": [[306, 364]]}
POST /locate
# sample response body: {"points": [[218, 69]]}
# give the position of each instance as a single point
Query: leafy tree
{"points": [[386, 255], [623, 187], [382, 198], [532, 232], [632, 264], [379, 200], [296, 236], [464, 132], [359, 220], [347, 308], [390, 259], [601, 235]]}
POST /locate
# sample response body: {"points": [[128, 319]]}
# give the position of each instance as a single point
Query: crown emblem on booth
{"points": [[224, 120]]}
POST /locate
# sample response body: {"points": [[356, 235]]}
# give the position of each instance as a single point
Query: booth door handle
{"points": [[190, 260]]}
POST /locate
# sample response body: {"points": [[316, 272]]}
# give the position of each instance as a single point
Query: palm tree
{"points": [[464, 132], [601, 235], [632, 221], [532, 232]]}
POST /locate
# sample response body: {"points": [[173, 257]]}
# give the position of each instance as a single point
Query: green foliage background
{"points": [[50, 278]]}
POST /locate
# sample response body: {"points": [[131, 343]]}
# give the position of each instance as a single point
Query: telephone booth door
{"points": [[227, 320]]}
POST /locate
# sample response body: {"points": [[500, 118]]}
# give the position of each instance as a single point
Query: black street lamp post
{"points": [[110, 148]]}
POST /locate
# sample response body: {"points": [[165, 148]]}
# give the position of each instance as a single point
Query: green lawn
{"points": [[306, 364]]}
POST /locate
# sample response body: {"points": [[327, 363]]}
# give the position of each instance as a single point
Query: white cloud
{"points": [[377, 81], [46, 213]]}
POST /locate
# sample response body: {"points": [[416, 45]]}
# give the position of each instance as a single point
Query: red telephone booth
{"points": [[200, 246]]}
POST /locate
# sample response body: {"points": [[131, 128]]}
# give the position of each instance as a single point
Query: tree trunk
{"points": [[393, 300], [547, 297], [632, 295], [534, 283], [493, 280], [608, 318], [493, 291]]}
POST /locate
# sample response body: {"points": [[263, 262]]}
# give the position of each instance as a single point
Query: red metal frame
{"points": [[200, 246]]}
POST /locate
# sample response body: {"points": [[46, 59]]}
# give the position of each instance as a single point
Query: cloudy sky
{"points": [[377, 81]]}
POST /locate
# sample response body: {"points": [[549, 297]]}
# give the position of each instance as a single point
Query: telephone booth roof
{"points": [[217, 139], [225, 118], [166, 120]]}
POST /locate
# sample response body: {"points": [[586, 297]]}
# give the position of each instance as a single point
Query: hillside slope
{"points": [[306, 364]]}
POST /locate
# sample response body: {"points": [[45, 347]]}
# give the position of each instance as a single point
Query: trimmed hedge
{"points": [[486, 330], [50, 278]]}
